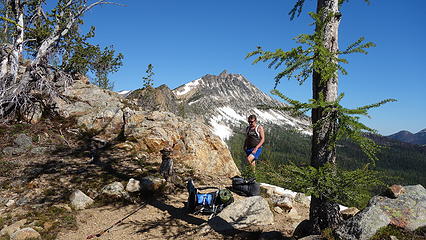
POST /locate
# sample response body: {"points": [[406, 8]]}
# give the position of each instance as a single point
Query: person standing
{"points": [[255, 137]]}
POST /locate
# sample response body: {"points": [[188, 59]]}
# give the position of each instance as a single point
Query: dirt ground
{"points": [[167, 219], [39, 182]]}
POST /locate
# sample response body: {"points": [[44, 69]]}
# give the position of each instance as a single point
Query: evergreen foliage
{"points": [[350, 188], [147, 80], [73, 53], [104, 63], [301, 62], [349, 126]]}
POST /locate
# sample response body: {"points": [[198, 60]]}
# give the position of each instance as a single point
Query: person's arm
{"points": [[245, 142], [262, 139]]}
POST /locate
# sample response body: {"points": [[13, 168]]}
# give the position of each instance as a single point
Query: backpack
{"points": [[245, 186], [211, 201]]}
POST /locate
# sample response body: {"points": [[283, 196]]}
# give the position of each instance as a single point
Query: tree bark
{"points": [[18, 44], [324, 213], [10, 57]]}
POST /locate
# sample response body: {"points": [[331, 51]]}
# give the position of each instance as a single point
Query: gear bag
{"points": [[207, 200], [245, 186]]}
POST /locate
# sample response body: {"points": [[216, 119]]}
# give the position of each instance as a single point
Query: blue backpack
{"points": [[207, 200]]}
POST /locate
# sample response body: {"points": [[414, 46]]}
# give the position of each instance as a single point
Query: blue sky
{"points": [[187, 39]]}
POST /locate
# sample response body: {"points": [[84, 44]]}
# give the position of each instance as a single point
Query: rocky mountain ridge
{"points": [[409, 137], [222, 101], [225, 101]]}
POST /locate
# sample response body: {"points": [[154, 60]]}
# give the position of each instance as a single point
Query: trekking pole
{"points": [[115, 224]]}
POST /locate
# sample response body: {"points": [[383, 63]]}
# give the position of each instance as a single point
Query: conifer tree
{"points": [[318, 57], [104, 63], [147, 80]]}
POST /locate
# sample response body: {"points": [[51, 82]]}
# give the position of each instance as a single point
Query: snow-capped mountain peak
{"points": [[225, 101]]}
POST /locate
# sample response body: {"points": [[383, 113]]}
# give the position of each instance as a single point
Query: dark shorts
{"points": [[256, 154]]}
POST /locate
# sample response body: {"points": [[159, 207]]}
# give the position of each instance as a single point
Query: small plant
{"points": [[399, 233], [248, 172], [6, 167], [58, 218], [49, 192], [20, 128], [350, 188], [327, 234], [3, 221]]}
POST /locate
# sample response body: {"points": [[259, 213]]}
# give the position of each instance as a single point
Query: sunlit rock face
{"points": [[155, 99], [107, 115]]}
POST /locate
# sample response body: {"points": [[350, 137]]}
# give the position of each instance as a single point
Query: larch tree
{"points": [[318, 57]]}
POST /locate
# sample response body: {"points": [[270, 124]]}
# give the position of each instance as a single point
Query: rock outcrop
{"points": [[79, 200], [193, 143], [25, 234], [9, 230], [98, 111], [252, 211], [133, 185], [115, 190], [23, 144], [108, 116], [408, 211], [155, 99]]}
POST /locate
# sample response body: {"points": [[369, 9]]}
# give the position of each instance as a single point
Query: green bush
{"points": [[6, 167], [399, 233]]}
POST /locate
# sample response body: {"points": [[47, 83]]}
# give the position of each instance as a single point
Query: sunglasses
{"points": [[252, 121]]}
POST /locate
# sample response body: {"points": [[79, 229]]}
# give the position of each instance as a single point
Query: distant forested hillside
{"points": [[402, 163]]}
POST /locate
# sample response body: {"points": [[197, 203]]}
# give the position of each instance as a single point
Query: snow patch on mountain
{"points": [[226, 116], [190, 103], [125, 93], [188, 87], [219, 129], [225, 102], [269, 116], [422, 131], [276, 117], [230, 114]]}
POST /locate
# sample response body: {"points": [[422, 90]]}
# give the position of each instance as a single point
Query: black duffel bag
{"points": [[245, 186]]}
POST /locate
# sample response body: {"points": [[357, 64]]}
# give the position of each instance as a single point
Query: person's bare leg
{"points": [[251, 162]]}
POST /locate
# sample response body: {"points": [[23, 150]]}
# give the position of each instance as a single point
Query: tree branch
{"points": [[48, 44]]}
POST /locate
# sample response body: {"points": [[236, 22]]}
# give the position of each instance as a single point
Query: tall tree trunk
{"points": [[10, 57], [19, 41], [5, 51], [4, 65], [324, 213]]}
